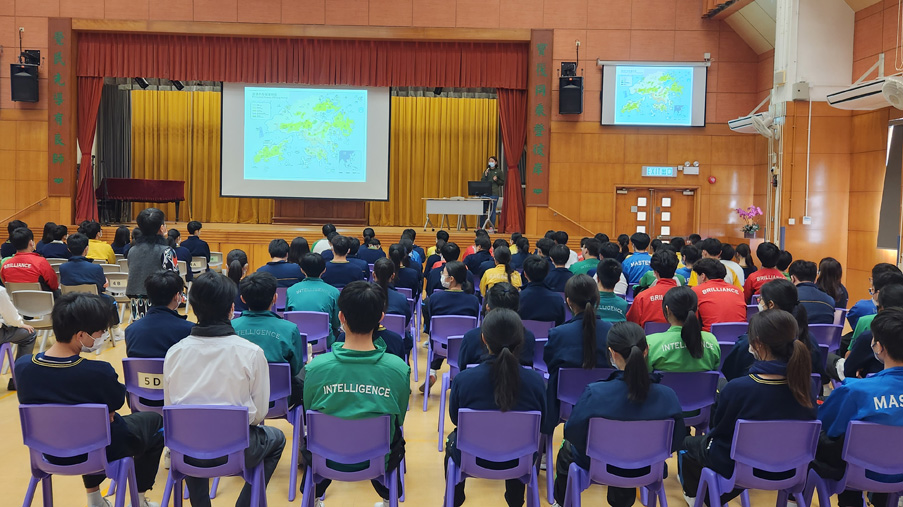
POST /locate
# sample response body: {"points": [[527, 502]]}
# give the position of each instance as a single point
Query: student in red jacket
{"points": [[719, 301], [647, 307], [768, 254], [27, 266]]}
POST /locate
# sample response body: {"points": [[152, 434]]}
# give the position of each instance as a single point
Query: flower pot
{"points": [[749, 235]]}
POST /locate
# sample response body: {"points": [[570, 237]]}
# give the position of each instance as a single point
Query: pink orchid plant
{"points": [[749, 216]]}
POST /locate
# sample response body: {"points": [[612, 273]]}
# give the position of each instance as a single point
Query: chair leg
{"points": [[167, 491], [47, 490], [130, 482], [213, 488], [296, 440], [426, 377], [744, 498], [550, 469], [445, 381], [29, 493], [177, 489], [533, 489], [403, 470], [393, 488], [451, 475], [308, 492], [414, 353]]}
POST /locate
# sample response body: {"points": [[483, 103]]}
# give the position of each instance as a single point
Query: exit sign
{"points": [[655, 171]]}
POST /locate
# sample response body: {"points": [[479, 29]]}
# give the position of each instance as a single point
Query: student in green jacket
{"points": [[358, 379], [591, 249], [612, 308], [685, 347], [280, 339], [313, 294]]}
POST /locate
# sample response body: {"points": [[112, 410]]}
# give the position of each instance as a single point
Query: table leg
{"points": [[177, 210], [429, 221]]}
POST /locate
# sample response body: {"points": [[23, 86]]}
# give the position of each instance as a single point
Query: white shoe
{"points": [[118, 334], [384, 503], [691, 500], [166, 458], [555, 504], [542, 462], [144, 502], [103, 503], [319, 503]]}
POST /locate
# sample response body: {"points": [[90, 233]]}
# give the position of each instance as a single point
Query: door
{"points": [[659, 212]]}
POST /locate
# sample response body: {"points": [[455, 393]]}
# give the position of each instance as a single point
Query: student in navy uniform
{"points": [[538, 302], [631, 394], [433, 254], [7, 249], [237, 268], [414, 262], [499, 383], [136, 235], [120, 239], [449, 253], [405, 276], [79, 270], [523, 250], [328, 254], [396, 302], [46, 237], [412, 235], [559, 276], [371, 250], [491, 262], [287, 273], [162, 326], [195, 245], [481, 255], [830, 273], [182, 253], [473, 350], [352, 257], [297, 249], [340, 271], [819, 306], [57, 249], [456, 299], [778, 387], [579, 343], [861, 360]]}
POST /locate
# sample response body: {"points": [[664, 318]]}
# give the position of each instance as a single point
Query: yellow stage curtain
{"points": [[176, 135], [437, 145]]}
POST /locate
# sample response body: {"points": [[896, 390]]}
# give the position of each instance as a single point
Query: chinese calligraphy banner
{"points": [[539, 113], [60, 111]]}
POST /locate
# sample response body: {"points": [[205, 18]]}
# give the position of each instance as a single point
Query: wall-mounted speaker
{"points": [[23, 82], [570, 95]]}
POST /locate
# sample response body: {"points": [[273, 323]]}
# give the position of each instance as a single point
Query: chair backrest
{"points": [[183, 268], [568, 315], [726, 348], [281, 297], [395, 323], [348, 441], [773, 446], [443, 326], [840, 315], [755, 299], [118, 283], [571, 384], [15, 287], [628, 445], [497, 436], [875, 448], [695, 391], [206, 432], [751, 310], [85, 288], [56, 261], [454, 348], [198, 263], [729, 331], [110, 268], [33, 303], [539, 328], [314, 324], [539, 363], [280, 389], [123, 264], [143, 379], [826, 334], [408, 293], [47, 429], [216, 259], [656, 327]]}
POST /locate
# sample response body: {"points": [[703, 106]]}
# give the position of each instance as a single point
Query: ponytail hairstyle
{"points": [[683, 303], [829, 274], [397, 255], [383, 271], [523, 245], [458, 272], [784, 295], [583, 296], [745, 253], [502, 256], [776, 331], [369, 234], [236, 261], [628, 340], [172, 238], [624, 243], [503, 332]]}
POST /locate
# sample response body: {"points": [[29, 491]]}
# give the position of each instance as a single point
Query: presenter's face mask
{"points": [[491, 163]]}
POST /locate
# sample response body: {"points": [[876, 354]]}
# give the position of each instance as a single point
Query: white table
{"points": [[462, 207]]}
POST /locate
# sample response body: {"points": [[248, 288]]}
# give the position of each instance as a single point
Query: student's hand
{"points": [[28, 328], [112, 415], [106, 283]]}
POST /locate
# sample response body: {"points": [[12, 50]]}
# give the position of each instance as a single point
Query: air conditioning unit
{"points": [[869, 95], [747, 124]]}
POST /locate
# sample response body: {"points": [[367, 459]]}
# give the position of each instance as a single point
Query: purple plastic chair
{"points": [[209, 432], [751, 310], [315, 325], [840, 315], [338, 440], [408, 293], [770, 446], [397, 324], [826, 334], [695, 391], [6, 355], [729, 331], [441, 327], [454, 347], [868, 447], [628, 445], [539, 363], [539, 328], [726, 348], [280, 391], [495, 436], [47, 431], [281, 298], [236, 314], [656, 327], [568, 315], [143, 379]]}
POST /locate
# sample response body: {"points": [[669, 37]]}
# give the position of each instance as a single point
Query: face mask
{"points": [[752, 351], [446, 283], [98, 342], [876, 355], [762, 307], [491, 164]]}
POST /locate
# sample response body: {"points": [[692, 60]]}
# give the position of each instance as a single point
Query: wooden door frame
{"points": [[697, 204]]}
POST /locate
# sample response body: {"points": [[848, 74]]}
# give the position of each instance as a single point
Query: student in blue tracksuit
{"points": [[499, 383], [473, 350], [631, 394], [538, 302], [866, 306], [637, 264], [819, 306], [396, 302], [778, 387], [579, 343]]}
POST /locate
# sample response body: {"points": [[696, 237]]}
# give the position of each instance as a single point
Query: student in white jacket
{"points": [[14, 330]]}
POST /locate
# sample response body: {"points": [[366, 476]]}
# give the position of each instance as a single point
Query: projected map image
{"points": [[300, 134], [654, 95]]}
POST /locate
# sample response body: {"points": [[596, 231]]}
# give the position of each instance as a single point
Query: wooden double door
{"points": [[659, 212]]}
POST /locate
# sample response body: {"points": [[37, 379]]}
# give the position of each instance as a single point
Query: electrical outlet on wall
{"points": [[791, 221], [807, 220]]}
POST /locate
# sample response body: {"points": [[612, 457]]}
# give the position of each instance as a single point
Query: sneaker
{"points": [[144, 502], [555, 504], [384, 503], [423, 387], [166, 458], [11, 385], [542, 462], [319, 503], [691, 500], [102, 503], [118, 334]]}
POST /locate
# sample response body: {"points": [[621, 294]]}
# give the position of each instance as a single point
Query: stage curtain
{"points": [[310, 61], [513, 117], [176, 136], [89, 93], [436, 146]]}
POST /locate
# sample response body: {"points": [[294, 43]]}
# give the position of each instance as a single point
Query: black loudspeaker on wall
{"points": [[570, 95], [24, 83]]}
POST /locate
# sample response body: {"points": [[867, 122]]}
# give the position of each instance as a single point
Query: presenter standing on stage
{"points": [[496, 175]]}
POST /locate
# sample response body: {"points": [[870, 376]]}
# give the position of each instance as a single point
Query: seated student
{"points": [[480, 255], [558, 277], [280, 339], [7, 249], [689, 255], [136, 233], [727, 258], [371, 250], [591, 250], [353, 249], [322, 244], [612, 308], [785, 259], [237, 268], [448, 253], [46, 237], [778, 387], [196, 246], [406, 276], [57, 249], [685, 347], [433, 251], [719, 301], [396, 302], [867, 306], [523, 251], [561, 238], [538, 302], [649, 279], [638, 264], [193, 374], [312, 294], [473, 349], [819, 306], [328, 254], [544, 249], [711, 248], [871, 400], [360, 361], [782, 295], [624, 244], [490, 263], [473, 248], [162, 326], [647, 305], [435, 258], [610, 251], [97, 249], [15, 330], [768, 254], [412, 260], [79, 270], [630, 394], [26, 266], [287, 273], [172, 239], [860, 360], [392, 341], [502, 272], [120, 239], [498, 383], [830, 273], [743, 257], [579, 343], [296, 249], [417, 253], [60, 375]]}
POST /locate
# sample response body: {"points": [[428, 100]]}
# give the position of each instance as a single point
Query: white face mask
{"points": [[491, 164], [752, 351], [762, 306], [98, 342], [876, 355], [446, 283]]}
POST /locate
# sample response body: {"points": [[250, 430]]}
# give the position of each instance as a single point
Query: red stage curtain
{"points": [[310, 61], [513, 116], [89, 91]]}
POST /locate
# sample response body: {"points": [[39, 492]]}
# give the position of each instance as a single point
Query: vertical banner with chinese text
{"points": [[61, 129], [539, 114]]}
